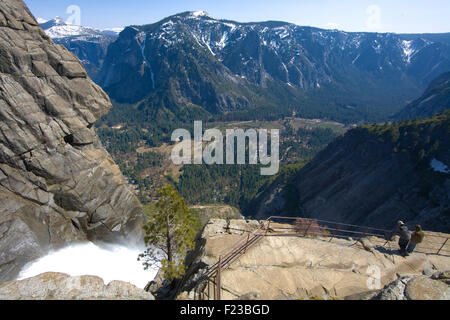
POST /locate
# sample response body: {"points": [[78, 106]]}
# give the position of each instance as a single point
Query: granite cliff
{"points": [[374, 175], [57, 182], [436, 99]]}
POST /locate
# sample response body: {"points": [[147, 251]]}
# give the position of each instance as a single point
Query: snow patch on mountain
{"points": [[71, 31], [282, 32], [439, 166], [376, 45], [408, 51], [57, 28], [208, 46], [198, 14], [223, 41], [231, 25]]}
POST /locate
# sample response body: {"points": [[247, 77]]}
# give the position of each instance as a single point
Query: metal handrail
{"points": [[385, 232], [226, 258]]}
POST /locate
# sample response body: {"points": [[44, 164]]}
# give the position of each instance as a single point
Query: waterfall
{"points": [[107, 261]]}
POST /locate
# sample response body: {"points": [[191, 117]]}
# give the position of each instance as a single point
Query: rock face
{"points": [[57, 182], [298, 268], [373, 176], [436, 99], [60, 286]]}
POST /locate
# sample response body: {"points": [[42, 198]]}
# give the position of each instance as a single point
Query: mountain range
{"points": [[193, 60], [90, 45]]}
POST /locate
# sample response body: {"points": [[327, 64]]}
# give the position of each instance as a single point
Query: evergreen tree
{"points": [[169, 233]]}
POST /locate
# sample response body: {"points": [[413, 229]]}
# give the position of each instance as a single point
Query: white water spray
{"points": [[109, 262]]}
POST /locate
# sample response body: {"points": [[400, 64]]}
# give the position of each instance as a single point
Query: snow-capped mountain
{"points": [[57, 28], [40, 20], [89, 44], [224, 65], [114, 32]]}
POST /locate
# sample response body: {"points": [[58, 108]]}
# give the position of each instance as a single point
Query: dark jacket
{"points": [[403, 232]]}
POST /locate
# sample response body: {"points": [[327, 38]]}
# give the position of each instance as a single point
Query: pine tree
{"points": [[169, 233]]}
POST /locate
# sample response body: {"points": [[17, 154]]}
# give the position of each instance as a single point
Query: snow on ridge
{"points": [[69, 31], [59, 20], [167, 24], [376, 45], [206, 42], [408, 51], [231, 25], [58, 28], [223, 41], [200, 14], [282, 32]]}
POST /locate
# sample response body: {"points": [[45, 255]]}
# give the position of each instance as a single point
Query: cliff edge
{"points": [[297, 267]]}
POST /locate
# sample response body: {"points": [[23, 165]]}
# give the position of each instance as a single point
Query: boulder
{"points": [[424, 288], [415, 288]]}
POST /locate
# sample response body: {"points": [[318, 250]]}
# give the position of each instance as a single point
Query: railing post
{"points": [[332, 236], [209, 293], [218, 284], [245, 246], [309, 226], [442, 246], [268, 227]]}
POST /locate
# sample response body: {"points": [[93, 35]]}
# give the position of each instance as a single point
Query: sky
{"points": [[399, 16]]}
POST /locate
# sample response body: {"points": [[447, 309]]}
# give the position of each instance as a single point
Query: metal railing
{"points": [[226, 257], [302, 227], [440, 245]]}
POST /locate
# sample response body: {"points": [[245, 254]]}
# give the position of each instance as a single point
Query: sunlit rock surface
{"points": [[60, 286]]}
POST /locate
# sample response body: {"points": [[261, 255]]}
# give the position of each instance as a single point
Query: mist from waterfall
{"points": [[107, 261]]}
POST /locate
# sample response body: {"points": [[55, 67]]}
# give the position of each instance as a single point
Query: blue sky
{"points": [[400, 16]]}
